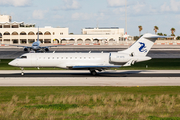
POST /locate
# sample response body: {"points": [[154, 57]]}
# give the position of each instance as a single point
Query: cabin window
{"points": [[70, 57], [53, 58], [57, 57], [61, 57], [48, 57], [75, 57]]}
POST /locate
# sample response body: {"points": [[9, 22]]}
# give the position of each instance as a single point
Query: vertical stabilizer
{"points": [[142, 46]]}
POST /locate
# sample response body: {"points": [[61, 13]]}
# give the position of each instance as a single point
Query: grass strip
{"points": [[161, 103], [54, 106]]}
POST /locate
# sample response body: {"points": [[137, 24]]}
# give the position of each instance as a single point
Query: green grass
{"points": [[153, 103], [154, 64], [54, 106]]}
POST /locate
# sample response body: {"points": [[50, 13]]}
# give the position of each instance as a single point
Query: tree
{"points": [[140, 29], [178, 38], [160, 34], [172, 31], [156, 29]]}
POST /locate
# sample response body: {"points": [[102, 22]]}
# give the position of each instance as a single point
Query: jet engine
{"points": [[25, 49], [119, 59], [46, 49]]}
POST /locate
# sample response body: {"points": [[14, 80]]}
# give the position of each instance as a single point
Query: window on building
{"points": [[6, 33], [22, 33]]}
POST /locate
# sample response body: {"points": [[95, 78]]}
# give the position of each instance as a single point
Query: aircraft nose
{"points": [[12, 63]]}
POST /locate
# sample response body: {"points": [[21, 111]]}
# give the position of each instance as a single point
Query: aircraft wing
{"points": [[93, 66], [54, 46], [19, 45]]}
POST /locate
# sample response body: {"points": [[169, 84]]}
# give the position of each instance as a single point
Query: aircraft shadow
{"points": [[100, 74]]}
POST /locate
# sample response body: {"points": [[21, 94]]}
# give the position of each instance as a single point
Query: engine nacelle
{"points": [[25, 49], [119, 58], [46, 49]]}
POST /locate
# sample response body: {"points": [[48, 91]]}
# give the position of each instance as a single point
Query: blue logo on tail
{"points": [[142, 48]]}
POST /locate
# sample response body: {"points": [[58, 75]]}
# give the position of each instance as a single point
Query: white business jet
{"points": [[90, 61]]}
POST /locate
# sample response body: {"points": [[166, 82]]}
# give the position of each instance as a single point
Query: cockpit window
{"points": [[23, 57]]}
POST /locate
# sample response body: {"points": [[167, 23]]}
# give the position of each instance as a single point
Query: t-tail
{"points": [[140, 48]]}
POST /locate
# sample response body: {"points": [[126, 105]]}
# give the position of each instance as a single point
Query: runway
{"points": [[83, 78]]}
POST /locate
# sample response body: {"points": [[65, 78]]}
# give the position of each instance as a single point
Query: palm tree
{"points": [[155, 29], [140, 29], [172, 31]]}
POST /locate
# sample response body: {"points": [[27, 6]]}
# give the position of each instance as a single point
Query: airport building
{"points": [[21, 33]]}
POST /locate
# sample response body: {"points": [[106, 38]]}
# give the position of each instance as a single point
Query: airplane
{"points": [[36, 46], [90, 61]]}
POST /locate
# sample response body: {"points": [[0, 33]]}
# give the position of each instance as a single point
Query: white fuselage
{"points": [[65, 60]]}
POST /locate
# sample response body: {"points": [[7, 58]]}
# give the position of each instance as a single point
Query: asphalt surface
{"points": [[83, 78], [76, 73], [12, 53]]}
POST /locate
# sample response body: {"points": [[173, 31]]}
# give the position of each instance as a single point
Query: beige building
{"points": [[21, 33]]}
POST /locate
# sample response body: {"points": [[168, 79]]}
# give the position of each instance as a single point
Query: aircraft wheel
{"points": [[93, 72]]}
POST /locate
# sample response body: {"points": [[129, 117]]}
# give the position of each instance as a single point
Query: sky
{"points": [[78, 14]]}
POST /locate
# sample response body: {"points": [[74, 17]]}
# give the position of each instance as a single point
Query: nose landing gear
{"points": [[22, 73]]}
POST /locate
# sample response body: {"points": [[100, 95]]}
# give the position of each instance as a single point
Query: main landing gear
{"points": [[93, 72]]}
